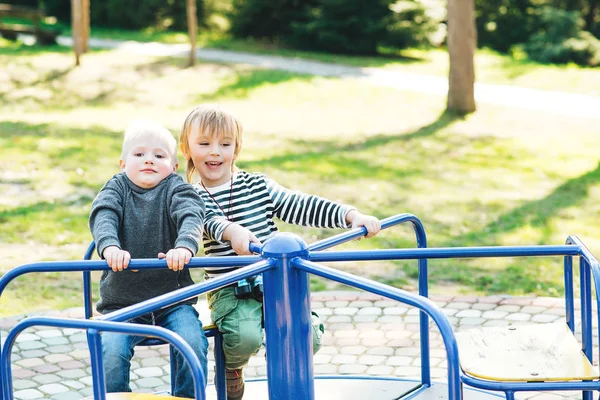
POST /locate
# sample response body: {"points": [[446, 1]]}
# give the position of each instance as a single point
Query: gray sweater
{"points": [[144, 222]]}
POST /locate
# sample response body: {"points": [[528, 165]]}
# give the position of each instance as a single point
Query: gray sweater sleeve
{"points": [[106, 216], [187, 212]]}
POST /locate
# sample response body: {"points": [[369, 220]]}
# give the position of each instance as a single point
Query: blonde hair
{"points": [[145, 129], [212, 120]]}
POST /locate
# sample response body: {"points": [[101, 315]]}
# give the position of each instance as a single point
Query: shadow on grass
{"points": [[533, 274], [22, 130], [339, 158], [247, 81], [536, 213]]}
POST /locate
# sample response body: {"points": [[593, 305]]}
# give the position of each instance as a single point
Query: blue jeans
{"points": [[118, 348]]}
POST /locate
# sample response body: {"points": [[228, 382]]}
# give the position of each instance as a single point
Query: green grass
{"points": [[501, 176]]}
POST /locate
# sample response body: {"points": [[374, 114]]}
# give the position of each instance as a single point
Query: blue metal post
{"points": [[569, 306], [287, 321], [423, 291], [220, 383], [95, 345], [586, 314]]}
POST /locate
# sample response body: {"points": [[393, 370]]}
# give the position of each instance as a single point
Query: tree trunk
{"points": [[76, 27], [192, 20], [462, 41], [85, 25]]}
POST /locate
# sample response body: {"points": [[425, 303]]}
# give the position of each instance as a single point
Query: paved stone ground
{"points": [[365, 334]]}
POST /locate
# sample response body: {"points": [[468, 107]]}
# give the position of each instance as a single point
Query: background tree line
{"points": [[555, 31]]}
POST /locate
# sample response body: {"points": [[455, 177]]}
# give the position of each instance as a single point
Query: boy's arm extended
{"points": [[105, 217], [299, 208]]}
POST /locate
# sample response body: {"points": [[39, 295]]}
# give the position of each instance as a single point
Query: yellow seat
{"points": [[542, 352], [138, 396]]}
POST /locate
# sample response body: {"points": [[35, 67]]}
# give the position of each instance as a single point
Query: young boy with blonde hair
{"points": [[240, 209], [148, 211]]}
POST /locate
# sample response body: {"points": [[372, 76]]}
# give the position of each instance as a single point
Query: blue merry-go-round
{"points": [[481, 363]]}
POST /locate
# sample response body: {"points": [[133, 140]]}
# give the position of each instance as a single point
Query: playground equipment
{"points": [[285, 262]]}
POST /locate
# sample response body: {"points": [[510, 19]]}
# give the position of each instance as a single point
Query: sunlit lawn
{"points": [[490, 66], [502, 176]]}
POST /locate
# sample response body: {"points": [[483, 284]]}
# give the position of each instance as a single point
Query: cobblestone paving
{"points": [[365, 334]]}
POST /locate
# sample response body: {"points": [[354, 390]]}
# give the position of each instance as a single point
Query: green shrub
{"points": [[343, 26], [503, 23], [267, 19], [559, 39], [361, 26], [409, 25]]}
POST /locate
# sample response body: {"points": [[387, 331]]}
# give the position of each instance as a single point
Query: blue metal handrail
{"points": [[94, 327], [445, 252], [422, 303], [191, 291], [423, 273], [286, 263], [101, 265], [362, 231], [147, 306]]}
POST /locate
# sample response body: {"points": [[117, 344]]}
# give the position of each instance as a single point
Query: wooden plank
{"points": [[362, 388], [20, 11], [540, 352], [338, 389]]}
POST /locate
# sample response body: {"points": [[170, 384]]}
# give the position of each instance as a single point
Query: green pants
{"points": [[239, 320]]}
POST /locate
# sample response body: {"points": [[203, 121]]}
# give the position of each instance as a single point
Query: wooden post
{"points": [[76, 26], [85, 17], [462, 41], [192, 19]]}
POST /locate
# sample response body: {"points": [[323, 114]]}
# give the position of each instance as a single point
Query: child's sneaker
{"points": [[235, 384]]}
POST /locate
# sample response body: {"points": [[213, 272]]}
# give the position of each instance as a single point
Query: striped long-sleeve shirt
{"points": [[253, 200]]}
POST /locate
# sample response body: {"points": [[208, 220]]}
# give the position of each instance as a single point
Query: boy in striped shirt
{"points": [[240, 208]]}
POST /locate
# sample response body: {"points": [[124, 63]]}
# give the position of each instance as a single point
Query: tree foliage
{"points": [[338, 26]]}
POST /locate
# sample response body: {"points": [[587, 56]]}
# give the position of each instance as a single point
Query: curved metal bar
{"points": [[108, 326], [594, 267], [87, 283], [423, 274], [187, 292], [444, 252], [424, 304], [362, 231]]}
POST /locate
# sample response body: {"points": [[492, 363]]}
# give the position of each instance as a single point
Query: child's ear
{"points": [[122, 164], [175, 166], [183, 151]]}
